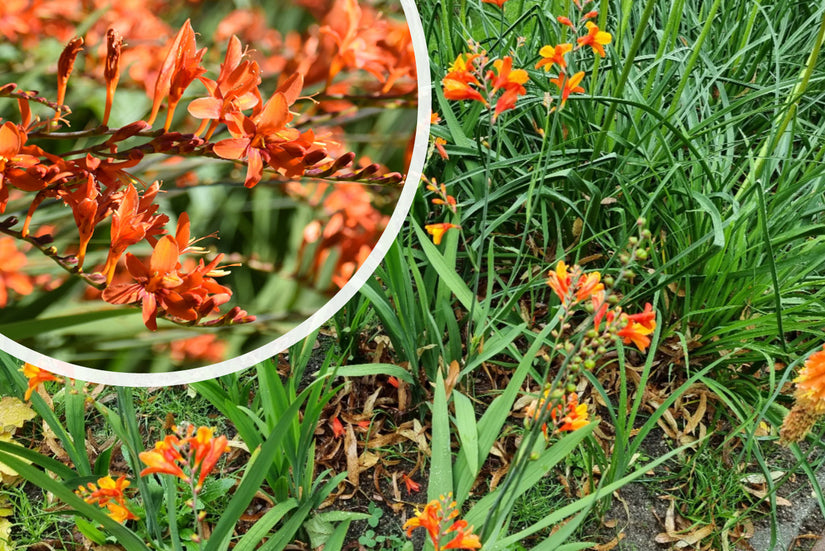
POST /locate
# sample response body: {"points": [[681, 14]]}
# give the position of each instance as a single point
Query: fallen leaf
{"points": [[6, 543], [351, 449], [13, 413], [764, 493], [609, 545]]}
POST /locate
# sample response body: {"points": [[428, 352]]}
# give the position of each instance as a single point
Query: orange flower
{"points": [[412, 486], [207, 348], [109, 494], [575, 418], [568, 85], [590, 285], [554, 55], [109, 489], [511, 81], [119, 513], [459, 81], [190, 455], [646, 318], [438, 230], [164, 458], [207, 451], [235, 90], [595, 38], [636, 332], [36, 376], [809, 400], [160, 286], [264, 137], [337, 427], [499, 3], [559, 281], [443, 198], [133, 220], [439, 144], [464, 538], [436, 518], [429, 519]]}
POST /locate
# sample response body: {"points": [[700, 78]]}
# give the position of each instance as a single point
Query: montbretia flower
{"points": [[595, 38], [460, 83], [572, 416], [508, 79], [235, 90], [566, 22], [568, 85], [636, 332], [412, 485], [445, 533], [36, 377], [499, 3], [108, 493], [159, 286], [554, 55], [190, 454], [438, 230], [264, 137], [574, 286], [568, 415]]}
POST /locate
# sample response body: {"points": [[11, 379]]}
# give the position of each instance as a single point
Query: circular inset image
{"points": [[188, 188]]}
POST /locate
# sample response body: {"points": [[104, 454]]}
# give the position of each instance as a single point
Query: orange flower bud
{"points": [[111, 72], [65, 64]]}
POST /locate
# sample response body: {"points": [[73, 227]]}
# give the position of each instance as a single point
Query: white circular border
{"points": [[422, 133]]}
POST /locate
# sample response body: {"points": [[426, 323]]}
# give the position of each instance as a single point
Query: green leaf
{"points": [[465, 420], [362, 370], [263, 525], [441, 462]]}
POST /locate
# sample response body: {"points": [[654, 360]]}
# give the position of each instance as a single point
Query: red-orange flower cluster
{"points": [[98, 188], [437, 518], [466, 79], [190, 454], [162, 286], [573, 286], [556, 55], [567, 415]]}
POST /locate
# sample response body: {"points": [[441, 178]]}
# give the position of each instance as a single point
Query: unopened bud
{"points": [[571, 387], [641, 254], [65, 64]]}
